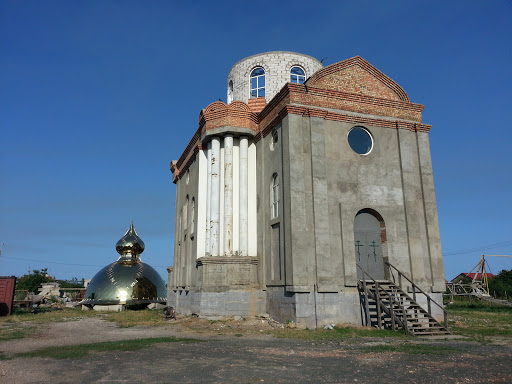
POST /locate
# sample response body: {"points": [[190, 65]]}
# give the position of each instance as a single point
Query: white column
{"points": [[199, 242], [252, 241], [215, 197], [243, 195], [228, 195], [208, 197]]}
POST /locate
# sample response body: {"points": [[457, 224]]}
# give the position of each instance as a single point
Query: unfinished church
{"points": [[310, 187]]}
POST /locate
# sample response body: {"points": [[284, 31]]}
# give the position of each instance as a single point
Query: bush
{"points": [[33, 281], [73, 283], [501, 285]]}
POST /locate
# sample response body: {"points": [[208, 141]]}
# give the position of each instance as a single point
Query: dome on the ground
{"points": [[127, 280]]}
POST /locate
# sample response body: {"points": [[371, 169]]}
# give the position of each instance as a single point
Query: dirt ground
{"points": [[242, 352]]}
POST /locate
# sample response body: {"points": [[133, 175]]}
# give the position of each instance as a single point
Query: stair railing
{"points": [[380, 306], [415, 289]]}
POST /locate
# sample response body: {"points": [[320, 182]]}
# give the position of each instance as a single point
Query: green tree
{"points": [[73, 283], [33, 281], [501, 285]]}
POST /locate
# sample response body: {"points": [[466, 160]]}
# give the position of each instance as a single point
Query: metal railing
{"points": [[416, 289]]}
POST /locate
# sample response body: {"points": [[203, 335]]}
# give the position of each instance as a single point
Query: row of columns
{"points": [[214, 191]]}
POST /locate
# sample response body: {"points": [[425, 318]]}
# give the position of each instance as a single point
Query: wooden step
{"points": [[393, 298]]}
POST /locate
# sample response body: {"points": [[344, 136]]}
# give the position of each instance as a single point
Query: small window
{"points": [[275, 196], [192, 217], [274, 140], [185, 214], [258, 83], [230, 91], [297, 75], [360, 140]]}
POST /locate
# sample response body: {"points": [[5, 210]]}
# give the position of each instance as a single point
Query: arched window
{"points": [[230, 91], [192, 217], [274, 198], [297, 75], [258, 82], [185, 214]]}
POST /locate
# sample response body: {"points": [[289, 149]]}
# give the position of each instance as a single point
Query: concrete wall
{"points": [[394, 179], [185, 234], [324, 185]]}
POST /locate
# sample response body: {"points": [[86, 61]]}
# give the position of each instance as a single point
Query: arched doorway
{"points": [[369, 238]]}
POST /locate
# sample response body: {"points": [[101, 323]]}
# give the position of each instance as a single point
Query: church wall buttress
{"points": [[299, 223], [414, 209], [430, 208]]}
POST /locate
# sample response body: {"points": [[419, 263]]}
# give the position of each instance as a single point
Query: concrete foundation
{"points": [[313, 309], [216, 305]]}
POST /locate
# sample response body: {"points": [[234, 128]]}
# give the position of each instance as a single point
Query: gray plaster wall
{"points": [[271, 235], [324, 185], [185, 247], [328, 183]]}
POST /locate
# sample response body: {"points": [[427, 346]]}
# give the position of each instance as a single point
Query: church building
{"points": [[309, 180]]}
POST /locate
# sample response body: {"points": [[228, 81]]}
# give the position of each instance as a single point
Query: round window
{"points": [[360, 140]]}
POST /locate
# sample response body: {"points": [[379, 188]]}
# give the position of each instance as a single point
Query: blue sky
{"points": [[97, 97]]}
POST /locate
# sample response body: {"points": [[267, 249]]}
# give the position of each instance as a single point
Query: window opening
{"points": [[230, 91], [258, 83], [297, 75], [360, 140], [274, 140], [275, 196], [192, 217]]}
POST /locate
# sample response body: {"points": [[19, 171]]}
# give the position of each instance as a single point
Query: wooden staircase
{"points": [[386, 305]]}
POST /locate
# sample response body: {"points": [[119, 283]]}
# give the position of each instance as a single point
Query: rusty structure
{"points": [[7, 287]]}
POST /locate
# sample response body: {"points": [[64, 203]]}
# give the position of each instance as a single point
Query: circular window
{"points": [[274, 140], [360, 140]]}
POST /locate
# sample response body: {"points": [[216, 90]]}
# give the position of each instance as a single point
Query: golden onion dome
{"points": [[127, 280], [130, 244]]}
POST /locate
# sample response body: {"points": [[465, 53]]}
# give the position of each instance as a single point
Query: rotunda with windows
{"points": [[264, 74]]}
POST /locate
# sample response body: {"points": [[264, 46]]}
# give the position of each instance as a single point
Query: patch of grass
{"points": [[3, 357], [338, 333], [66, 314], [78, 351], [414, 349], [129, 318], [15, 331], [479, 320], [217, 321], [143, 318], [479, 305]]}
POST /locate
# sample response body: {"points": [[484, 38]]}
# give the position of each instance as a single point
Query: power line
{"points": [[51, 262], [477, 249], [60, 263]]}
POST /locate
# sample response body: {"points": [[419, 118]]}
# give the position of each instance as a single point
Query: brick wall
{"points": [[277, 66]]}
